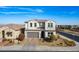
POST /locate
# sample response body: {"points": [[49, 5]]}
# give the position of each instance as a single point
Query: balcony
{"points": [[42, 28]]}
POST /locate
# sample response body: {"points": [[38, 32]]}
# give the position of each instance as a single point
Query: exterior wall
{"points": [[46, 33], [50, 28], [27, 26], [54, 33], [15, 34], [0, 34]]}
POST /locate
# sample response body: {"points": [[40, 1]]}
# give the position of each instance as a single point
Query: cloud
{"points": [[32, 10], [21, 10], [70, 12], [73, 12], [5, 7], [8, 13], [25, 9], [39, 10]]}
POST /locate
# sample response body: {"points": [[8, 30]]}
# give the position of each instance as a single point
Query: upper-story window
{"points": [[41, 24], [35, 24], [50, 24], [30, 24]]}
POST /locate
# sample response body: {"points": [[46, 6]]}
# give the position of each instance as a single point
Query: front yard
{"points": [[53, 41], [58, 42]]}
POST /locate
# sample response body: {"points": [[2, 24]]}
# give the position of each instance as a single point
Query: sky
{"points": [[62, 15]]}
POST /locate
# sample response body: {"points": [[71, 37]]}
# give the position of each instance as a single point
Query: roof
{"points": [[13, 26], [38, 20]]}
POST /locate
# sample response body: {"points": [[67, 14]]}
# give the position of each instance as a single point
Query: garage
{"points": [[32, 34]]}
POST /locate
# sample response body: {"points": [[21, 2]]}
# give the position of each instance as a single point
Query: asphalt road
{"points": [[71, 36]]}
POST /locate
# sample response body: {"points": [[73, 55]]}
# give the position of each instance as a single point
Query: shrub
{"points": [[51, 38], [47, 39], [10, 40], [60, 44], [54, 37], [69, 43], [21, 37]]}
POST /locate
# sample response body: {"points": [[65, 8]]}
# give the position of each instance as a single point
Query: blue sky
{"points": [[19, 14]]}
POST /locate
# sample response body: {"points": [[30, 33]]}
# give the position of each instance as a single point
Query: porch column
{"points": [[46, 34], [54, 33], [25, 34], [40, 34]]}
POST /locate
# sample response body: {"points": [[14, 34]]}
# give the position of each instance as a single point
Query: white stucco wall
{"points": [[0, 34], [50, 28], [27, 25], [46, 34], [15, 33]]}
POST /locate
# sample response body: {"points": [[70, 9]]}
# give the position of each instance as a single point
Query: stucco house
{"points": [[39, 28], [9, 32]]}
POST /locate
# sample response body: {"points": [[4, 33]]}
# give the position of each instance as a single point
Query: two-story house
{"points": [[39, 28]]}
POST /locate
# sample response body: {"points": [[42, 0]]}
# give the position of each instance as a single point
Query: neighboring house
{"points": [[74, 26], [38, 28], [9, 32]]}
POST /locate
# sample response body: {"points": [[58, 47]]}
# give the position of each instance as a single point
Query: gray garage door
{"points": [[32, 35]]}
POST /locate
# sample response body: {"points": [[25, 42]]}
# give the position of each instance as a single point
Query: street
{"points": [[71, 36]]}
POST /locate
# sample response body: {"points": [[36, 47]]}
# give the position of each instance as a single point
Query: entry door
{"points": [[42, 34]]}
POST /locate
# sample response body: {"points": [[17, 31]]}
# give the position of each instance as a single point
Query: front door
{"points": [[42, 34]]}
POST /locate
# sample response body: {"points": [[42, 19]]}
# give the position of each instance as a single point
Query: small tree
{"points": [[21, 37], [54, 37]]}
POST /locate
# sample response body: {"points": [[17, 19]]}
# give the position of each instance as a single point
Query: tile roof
{"points": [[38, 20], [13, 26]]}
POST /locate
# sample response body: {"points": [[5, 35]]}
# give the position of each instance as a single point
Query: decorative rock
{"points": [[1, 39], [16, 41]]}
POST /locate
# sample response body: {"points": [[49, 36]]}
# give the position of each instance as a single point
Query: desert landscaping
{"points": [[52, 41]]}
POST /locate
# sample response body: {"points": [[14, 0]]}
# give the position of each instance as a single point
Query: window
{"points": [[9, 34], [30, 24], [35, 24], [40, 24], [50, 33], [50, 24]]}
